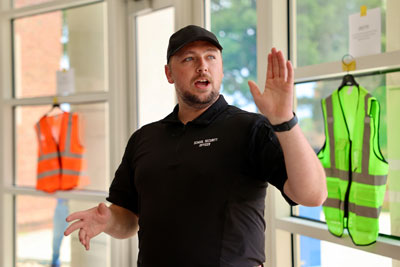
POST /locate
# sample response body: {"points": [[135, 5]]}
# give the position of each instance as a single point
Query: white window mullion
{"points": [[51, 6], [366, 64], [81, 98], [272, 32], [118, 77], [79, 195], [6, 163], [384, 246], [7, 243]]}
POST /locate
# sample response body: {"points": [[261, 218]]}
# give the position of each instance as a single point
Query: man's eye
{"points": [[211, 57], [188, 59]]}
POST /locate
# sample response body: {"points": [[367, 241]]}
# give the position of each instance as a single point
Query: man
{"points": [[195, 182]]}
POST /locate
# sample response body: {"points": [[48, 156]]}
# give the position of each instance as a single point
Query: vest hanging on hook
{"points": [[61, 163]]}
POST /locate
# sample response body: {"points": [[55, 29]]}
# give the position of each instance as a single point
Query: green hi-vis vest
{"points": [[355, 169]]}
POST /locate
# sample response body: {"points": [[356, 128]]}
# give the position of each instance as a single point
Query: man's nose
{"points": [[202, 66]]}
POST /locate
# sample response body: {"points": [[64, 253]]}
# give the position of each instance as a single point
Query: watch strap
{"points": [[287, 125]]}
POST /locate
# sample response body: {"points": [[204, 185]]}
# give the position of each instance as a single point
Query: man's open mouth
{"points": [[202, 82]]}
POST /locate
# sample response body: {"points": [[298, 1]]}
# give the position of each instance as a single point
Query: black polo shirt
{"points": [[199, 189]]}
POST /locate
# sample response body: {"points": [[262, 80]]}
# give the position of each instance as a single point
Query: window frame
{"points": [[117, 130], [183, 11]]}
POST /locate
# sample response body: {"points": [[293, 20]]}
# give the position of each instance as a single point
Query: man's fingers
{"points": [[278, 67], [87, 242], [76, 216], [275, 64], [254, 89], [82, 237], [73, 227], [282, 65], [290, 78], [102, 208], [269, 67]]}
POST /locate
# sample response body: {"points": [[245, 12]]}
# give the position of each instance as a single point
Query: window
{"points": [[319, 41], [40, 222], [64, 45], [93, 124], [156, 97], [234, 24], [51, 39], [322, 31], [326, 254]]}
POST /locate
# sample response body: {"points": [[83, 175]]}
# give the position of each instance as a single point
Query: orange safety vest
{"points": [[60, 162]]}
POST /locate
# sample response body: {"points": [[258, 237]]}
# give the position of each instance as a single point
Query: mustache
{"points": [[202, 76]]}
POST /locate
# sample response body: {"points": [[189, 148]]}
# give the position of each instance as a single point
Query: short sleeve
{"points": [[122, 191], [266, 156]]}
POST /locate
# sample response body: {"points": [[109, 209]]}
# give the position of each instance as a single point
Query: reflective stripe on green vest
{"points": [[355, 168]]}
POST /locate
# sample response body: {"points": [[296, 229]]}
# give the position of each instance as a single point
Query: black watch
{"points": [[285, 126]]}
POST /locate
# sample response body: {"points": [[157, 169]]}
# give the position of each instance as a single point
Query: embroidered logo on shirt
{"points": [[205, 142]]}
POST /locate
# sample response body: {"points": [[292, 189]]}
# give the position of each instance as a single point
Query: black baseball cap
{"points": [[188, 35]]}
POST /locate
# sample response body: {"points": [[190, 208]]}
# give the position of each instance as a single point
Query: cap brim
{"points": [[197, 38]]}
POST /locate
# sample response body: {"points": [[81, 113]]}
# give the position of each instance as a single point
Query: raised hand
{"points": [[90, 223], [276, 102]]}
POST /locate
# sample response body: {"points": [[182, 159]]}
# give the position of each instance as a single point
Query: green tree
{"points": [[323, 31], [234, 23]]}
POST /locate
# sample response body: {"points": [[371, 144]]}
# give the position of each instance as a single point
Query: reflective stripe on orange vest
{"points": [[60, 162]]}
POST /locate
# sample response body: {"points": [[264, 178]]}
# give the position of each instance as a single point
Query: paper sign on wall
{"points": [[65, 82], [365, 33]]}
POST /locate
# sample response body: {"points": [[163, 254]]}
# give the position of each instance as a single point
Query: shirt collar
{"points": [[205, 118]]}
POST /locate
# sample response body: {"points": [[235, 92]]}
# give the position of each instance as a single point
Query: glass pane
{"points": [[23, 3], [316, 253], [152, 56], [73, 40], [40, 224], [322, 29], [93, 131], [386, 88], [235, 25]]}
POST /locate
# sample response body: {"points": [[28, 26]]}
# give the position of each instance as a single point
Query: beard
{"points": [[197, 102]]}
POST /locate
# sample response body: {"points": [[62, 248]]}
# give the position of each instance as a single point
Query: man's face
{"points": [[197, 72]]}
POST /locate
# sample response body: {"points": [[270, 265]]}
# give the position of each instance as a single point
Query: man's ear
{"points": [[168, 74]]}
